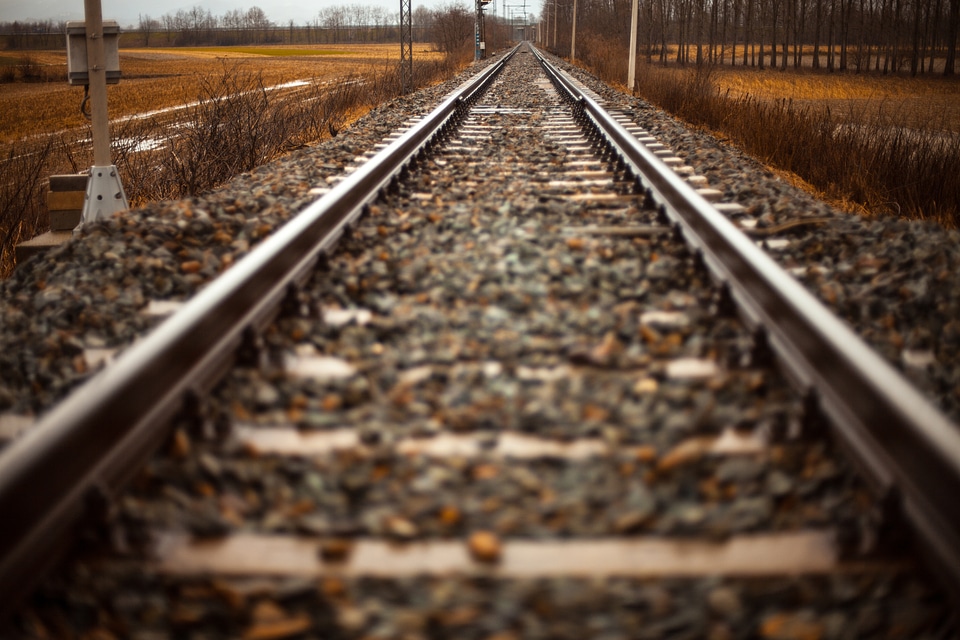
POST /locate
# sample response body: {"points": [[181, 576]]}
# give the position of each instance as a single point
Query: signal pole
{"points": [[105, 194], [406, 47]]}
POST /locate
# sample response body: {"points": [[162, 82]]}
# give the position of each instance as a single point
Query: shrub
{"points": [[21, 208]]}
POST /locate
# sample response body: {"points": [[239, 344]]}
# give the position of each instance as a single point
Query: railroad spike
{"points": [[699, 263], [648, 200], [323, 263], [677, 230], [251, 351], [192, 415], [813, 422], [294, 302], [662, 216], [761, 355], [724, 306], [880, 534], [98, 504]]}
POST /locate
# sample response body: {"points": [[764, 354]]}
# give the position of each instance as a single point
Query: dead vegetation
{"points": [[227, 121], [873, 144], [866, 154]]}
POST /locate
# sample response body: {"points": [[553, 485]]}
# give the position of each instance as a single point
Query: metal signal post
{"points": [[406, 46], [480, 39]]}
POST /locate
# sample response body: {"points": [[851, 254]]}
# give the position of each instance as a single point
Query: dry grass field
{"points": [[921, 102], [161, 78], [184, 120], [872, 143]]}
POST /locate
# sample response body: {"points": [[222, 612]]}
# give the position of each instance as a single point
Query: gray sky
{"points": [[126, 12]]}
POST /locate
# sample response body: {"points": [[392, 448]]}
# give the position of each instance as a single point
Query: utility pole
{"points": [[526, 21], [477, 32], [632, 64], [406, 47], [105, 194], [554, 24], [573, 36]]}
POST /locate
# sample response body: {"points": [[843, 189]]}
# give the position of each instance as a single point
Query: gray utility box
{"points": [[77, 52]]}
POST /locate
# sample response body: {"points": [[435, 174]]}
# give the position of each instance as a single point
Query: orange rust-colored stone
{"points": [[450, 515], [784, 626], [239, 411], [333, 587], [331, 402], [485, 471], [205, 489], [461, 616], [278, 629], [234, 597], [336, 549], [594, 413], [646, 453], [301, 507], [687, 451], [484, 546], [180, 446]]}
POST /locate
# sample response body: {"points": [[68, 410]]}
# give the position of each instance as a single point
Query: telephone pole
{"points": [[573, 35]]}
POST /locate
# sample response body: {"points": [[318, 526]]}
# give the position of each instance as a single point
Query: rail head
{"points": [[909, 449], [97, 437]]}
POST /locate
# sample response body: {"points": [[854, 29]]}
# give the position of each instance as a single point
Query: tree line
{"points": [[354, 23], [915, 36], [198, 26]]}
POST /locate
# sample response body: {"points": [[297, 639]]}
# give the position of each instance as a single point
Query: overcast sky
{"points": [[126, 12]]}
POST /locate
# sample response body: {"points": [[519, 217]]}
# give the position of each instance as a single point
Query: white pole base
{"points": [[105, 195]]}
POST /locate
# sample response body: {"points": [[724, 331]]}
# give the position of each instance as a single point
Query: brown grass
{"points": [[160, 78], [877, 152], [230, 121], [929, 102]]}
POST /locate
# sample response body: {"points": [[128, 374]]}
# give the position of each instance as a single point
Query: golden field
{"points": [[159, 78], [870, 143], [921, 102]]}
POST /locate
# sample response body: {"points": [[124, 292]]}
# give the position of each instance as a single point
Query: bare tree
{"points": [[147, 25], [453, 30], [949, 67]]}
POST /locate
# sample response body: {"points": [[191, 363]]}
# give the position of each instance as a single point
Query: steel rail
{"points": [[80, 453], [908, 449]]}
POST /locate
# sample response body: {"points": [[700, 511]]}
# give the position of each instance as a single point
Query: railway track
{"points": [[524, 382]]}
